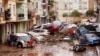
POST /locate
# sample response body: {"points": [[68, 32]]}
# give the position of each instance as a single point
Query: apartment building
{"points": [[67, 6], [31, 14], [98, 9], [2, 22], [15, 16], [41, 11]]}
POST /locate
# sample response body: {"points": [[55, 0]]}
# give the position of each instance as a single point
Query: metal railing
{"points": [[20, 16]]}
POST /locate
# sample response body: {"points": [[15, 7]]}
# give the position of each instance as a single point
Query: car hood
{"points": [[93, 38]]}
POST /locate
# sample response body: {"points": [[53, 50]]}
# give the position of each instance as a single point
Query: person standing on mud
{"points": [[8, 38]]}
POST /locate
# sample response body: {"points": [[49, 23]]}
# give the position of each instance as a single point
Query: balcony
{"points": [[44, 2], [20, 16], [20, 1], [50, 2], [8, 14]]}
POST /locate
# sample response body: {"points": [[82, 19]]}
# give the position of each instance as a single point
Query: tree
{"points": [[51, 13], [89, 12], [64, 15], [75, 13]]}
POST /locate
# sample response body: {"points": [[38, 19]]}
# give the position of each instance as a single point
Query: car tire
{"points": [[19, 45]]}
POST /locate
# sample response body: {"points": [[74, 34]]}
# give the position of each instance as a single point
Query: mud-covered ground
{"points": [[49, 48]]}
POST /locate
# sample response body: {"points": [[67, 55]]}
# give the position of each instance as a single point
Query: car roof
{"points": [[30, 32], [21, 34], [40, 29]]}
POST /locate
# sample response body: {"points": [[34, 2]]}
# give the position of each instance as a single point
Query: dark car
{"points": [[81, 31]]}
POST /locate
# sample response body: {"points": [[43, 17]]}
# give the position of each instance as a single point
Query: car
{"points": [[41, 31], [92, 39], [36, 36], [82, 30], [42, 26], [21, 40]]}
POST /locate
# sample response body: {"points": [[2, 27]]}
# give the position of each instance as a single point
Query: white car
{"points": [[36, 36], [21, 40], [42, 26], [41, 31]]}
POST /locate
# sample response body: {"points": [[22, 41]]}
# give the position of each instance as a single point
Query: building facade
{"points": [[98, 9], [15, 16], [67, 6]]}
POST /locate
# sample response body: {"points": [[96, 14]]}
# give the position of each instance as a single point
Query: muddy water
{"points": [[90, 51], [46, 49]]}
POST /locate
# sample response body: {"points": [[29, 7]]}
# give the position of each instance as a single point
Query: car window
{"points": [[41, 31], [26, 38], [36, 30]]}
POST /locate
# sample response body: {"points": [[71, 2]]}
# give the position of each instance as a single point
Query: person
{"points": [[13, 38], [8, 38]]}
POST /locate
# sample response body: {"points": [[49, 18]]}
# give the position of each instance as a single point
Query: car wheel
{"points": [[19, 45]]}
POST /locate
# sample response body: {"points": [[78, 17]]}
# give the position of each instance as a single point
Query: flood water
{"points": [[47, 49]]}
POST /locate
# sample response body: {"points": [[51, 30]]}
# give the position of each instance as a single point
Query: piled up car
{"points": [[87, 34]]}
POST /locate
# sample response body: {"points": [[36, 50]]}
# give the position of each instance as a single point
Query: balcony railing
{"points": [[20, 16], [44, 2], [50, 2], [8, 14], [20, 1]]}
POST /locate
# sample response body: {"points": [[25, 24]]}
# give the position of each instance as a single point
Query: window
{"points": [[70, 3], [65, 6], [36, 4], [14, 9], [85, 8], [0, 8], [80, 7], [43, 1], [85, 2]]}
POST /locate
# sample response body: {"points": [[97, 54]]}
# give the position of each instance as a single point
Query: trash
{"points": [[78, 48], [66, 38]]}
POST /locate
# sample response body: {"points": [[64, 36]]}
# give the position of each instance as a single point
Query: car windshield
{"points": [[26, 38], [38, 31]]}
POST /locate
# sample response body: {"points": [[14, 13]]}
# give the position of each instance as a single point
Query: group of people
{"points": [[11, 38]]}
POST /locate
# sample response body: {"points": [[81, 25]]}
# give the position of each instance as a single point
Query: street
{"points": [[48, 49]]}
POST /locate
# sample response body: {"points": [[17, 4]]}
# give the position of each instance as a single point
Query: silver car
{"points": [[21, 40]]}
